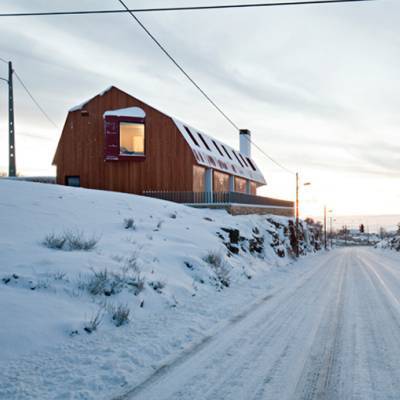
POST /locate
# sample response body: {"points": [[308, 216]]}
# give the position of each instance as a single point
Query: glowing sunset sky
{"points": [[318, 86]]}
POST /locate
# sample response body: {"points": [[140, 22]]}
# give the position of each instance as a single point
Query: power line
{"points": [[183, 8], [199, 88], [34, 100], [164, 50], [270, 158]]}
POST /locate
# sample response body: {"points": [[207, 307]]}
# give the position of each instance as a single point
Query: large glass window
{"points": [[221, 182], [198, 179], [240, 185], [253, 188], [131, 139]]}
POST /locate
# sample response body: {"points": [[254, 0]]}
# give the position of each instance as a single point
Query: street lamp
{"points": [[297, 211], [330, 227]]}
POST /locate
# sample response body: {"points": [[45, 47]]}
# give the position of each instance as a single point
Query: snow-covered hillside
{"points": [[156, 276]]}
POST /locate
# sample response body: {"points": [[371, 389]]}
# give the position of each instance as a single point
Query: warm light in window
{"points": [[131, 138]]}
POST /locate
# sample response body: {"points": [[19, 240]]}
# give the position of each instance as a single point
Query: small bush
{"points": [[77, 241], [94, 322], [131, 274], [129, 223], [131, 264], [59, 276], [108, 283], [219, 266], [120, 315], [69, 241], [104, 283], [137, 282], [52, 241], [157, 285], [97, 282]]}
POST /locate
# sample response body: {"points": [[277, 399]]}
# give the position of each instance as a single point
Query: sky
{"points": [[317, 86]]}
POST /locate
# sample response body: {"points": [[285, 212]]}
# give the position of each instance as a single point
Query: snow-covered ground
{"points": [[182, 273], [330, 334], [392, 243]]}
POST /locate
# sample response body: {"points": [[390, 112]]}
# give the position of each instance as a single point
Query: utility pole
{"points": [[12, 171], [325, 238], [297, 216]]}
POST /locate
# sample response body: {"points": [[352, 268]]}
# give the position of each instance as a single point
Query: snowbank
{"points": [[392, 243], [69, 255]]}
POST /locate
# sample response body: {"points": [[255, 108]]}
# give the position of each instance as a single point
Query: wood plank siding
{"points": [[167, 165]]}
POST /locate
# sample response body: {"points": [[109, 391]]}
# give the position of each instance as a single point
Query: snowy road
{"points": [[334, 333]]}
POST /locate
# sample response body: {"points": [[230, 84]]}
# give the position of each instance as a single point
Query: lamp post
{"points": [[331, 228], [325, 241], [297, 211]]}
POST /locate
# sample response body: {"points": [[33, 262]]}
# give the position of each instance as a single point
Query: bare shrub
{"points": [[137, 282], [131, 263], [104, 283], [129, 223], [157, 285], [69, 241], [219, 266], [97, 283], [53, 241], [108, 283], [131, 275], [94, 322], [120, 315], [77, 241], [59, 276]]}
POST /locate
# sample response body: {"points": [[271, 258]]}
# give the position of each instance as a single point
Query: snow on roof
{"points": [[82, 105], [134, 112], [212, 153]]}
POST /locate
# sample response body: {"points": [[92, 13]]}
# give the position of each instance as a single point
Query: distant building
{"points": [[117, 142]]}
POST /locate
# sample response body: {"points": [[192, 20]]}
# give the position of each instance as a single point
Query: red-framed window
{"points": [[125, 138]]}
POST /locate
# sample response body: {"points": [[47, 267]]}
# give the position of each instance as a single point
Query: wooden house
{"points": [[116, 142]]}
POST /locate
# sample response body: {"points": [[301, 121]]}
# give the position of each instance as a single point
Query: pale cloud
{"points": [[317, 85]]}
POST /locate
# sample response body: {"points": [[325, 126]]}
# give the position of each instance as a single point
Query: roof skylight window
{"points": [[204, 142], [192, 137]]}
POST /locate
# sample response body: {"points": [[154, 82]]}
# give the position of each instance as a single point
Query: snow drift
{"points": [[98, 288], [392, 243]]}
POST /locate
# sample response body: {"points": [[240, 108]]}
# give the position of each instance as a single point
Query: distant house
{"points": [[116, 142]]}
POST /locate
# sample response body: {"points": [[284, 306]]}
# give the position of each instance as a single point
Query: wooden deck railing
{"points": [[218, 198]]}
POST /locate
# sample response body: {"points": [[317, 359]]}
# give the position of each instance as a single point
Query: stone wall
{"points": [[245, 209]]}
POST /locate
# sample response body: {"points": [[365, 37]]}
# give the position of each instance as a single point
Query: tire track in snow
{"points": [[316, 379], [284, 295], [279, 332], [332, 335], [381, 329]]}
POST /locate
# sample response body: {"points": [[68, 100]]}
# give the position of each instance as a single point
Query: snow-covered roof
{"points": [[82, 105], [134, 112], [212, 153]]}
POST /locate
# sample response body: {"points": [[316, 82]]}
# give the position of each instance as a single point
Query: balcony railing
{"points": [[218, 198]]}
